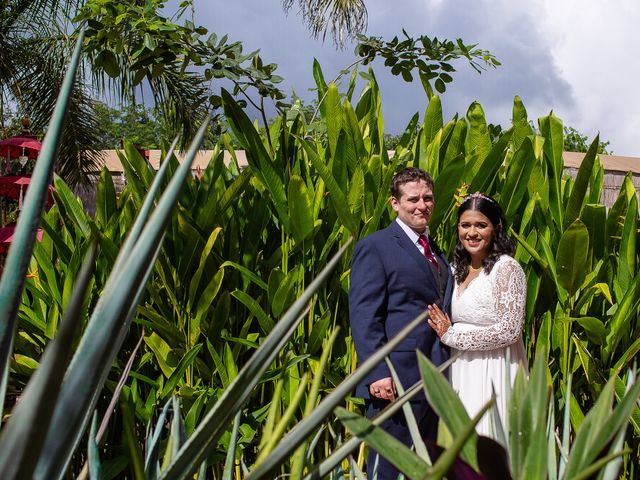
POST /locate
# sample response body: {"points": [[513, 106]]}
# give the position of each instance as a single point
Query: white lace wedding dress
{"points": [[487, 321]]}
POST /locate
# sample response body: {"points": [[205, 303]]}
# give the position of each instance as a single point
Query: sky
{"points": [[575, 58]]}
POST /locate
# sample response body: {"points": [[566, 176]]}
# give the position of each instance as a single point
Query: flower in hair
{"points": [[461, 193]]}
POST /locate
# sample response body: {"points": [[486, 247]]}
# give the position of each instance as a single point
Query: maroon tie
{"points": [[422, 240]]}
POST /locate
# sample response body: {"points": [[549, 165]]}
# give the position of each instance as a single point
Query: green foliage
{"points": [[574, 141], [431, 57], [242, 246]]}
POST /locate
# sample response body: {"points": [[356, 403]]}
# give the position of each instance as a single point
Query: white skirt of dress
{"points": [[474, 373]]}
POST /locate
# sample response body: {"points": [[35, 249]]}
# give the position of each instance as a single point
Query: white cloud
{"points": [[575, 58]]}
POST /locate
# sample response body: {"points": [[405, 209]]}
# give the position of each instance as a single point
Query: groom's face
{"points": [[415, 205]]}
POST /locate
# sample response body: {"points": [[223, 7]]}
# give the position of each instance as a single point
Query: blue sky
{"points": [[575, 58]]}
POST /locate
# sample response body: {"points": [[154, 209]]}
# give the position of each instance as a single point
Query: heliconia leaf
{"points": [[432, 119], [24, 236], [581, 184], [615, 217], [319, 78], [481, 176], [258, 158], [300, 209], [552, 130], [521, 127], [194, 283], [338, 197], [594, 217], [627, 253], [517, 178], [572, 257], [264, 320], [332, 113], [105, 198], [478, 140], [443, 189]]}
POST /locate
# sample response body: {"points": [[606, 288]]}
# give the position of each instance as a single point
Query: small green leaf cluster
{"points": [[430, 56]]}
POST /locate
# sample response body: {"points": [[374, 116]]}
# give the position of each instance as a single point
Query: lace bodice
{"points": [[489, 312]]}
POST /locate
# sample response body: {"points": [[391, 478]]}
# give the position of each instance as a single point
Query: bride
{"points": [[487, 310]]}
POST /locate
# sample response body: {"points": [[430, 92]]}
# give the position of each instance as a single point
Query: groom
{"points": [[395, 274]]}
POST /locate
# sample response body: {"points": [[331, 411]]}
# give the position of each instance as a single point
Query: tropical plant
{"points": [[244, 244]]}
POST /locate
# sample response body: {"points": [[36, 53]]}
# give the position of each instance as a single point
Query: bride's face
{"points": [[475, 232]]}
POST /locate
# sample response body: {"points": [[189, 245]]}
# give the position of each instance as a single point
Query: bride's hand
{"points": [[438, 320]]}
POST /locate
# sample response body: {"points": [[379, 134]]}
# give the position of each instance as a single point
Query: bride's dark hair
{"points": [[501, 244]]}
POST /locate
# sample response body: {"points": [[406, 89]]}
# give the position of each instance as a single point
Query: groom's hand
{"points": [[383, 388]]}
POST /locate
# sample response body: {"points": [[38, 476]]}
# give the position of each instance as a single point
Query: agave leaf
{"points": [[93, 453], [23, 436], [227, 473], [206, 435], [24, 236], [152, 446], [391, 448], [618, 327], [298, 462], [349, 446], [304, 428], [581, 184], [108, 325], [416, 438], [448, 406], [599, 427], [449, 456]]}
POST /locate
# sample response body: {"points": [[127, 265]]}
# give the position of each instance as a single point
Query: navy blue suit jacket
{"points": [[391, 284]]}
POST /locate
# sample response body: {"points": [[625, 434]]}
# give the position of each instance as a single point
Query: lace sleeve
{"points": [[510, 292]]}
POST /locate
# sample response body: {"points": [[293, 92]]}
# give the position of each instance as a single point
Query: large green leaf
{"points": [[552, 131], [478, 140], [517, 178], [300, 209], [338, 197], [259, 159], [579, 190], [444, 187], [332, 113], [572, 263], [432, 119], [627, 253]]}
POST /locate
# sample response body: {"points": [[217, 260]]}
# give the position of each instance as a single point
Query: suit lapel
{"points": [[411, 250]]}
